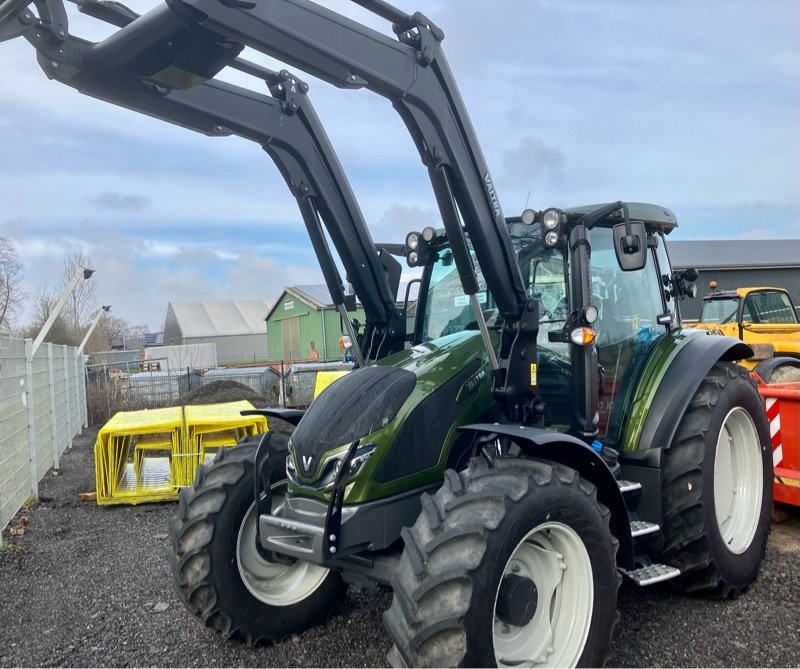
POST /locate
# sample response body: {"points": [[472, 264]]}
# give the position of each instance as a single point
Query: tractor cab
{"points": [[628, 309]]}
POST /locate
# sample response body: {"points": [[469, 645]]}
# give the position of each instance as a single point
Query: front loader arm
{"points": [[413, 74], [284, 123]]}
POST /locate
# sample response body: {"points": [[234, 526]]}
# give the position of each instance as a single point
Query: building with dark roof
{"points": [[734, 263]]}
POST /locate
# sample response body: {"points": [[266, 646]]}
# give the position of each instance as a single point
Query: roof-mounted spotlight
{"points": [[552, 224]]}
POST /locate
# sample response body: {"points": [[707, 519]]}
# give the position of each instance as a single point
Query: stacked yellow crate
{"points": [[134, 456], [210, 427], [147, 456]]}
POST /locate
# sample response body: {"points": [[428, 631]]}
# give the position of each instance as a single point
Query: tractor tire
{"points": [[512, 563], [788, 372], [219, 574], [717, 486]]}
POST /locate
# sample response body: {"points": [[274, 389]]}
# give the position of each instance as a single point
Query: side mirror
{"points": [[683, 283], [407, 303], [350, 302], [630, 245]]}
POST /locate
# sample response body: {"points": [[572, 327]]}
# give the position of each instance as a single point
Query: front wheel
{"points": [[508, 565], [717, 491], [220, 575]]}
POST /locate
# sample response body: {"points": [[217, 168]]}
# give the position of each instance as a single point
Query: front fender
{"points": [[574, 453]]}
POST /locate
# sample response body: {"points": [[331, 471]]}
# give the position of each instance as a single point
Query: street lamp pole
{"points": [[100, 312], [80, 272]]}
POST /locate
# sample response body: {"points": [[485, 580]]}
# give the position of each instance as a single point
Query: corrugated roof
{"points": [[716, 254], [218, 318], [315, 295], [318, 296]]}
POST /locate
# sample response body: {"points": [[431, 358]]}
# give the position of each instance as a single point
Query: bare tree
{"points": [[61, 332], [138, 331], [10, 290], [109, 329], [82, 303]]}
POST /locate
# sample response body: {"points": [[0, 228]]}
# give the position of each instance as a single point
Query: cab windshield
{"points": [[448, 309], [720, 311]]}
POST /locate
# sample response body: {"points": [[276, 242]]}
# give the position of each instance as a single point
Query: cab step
{"points": [[653, 573], [628, 486], [639, 528]]}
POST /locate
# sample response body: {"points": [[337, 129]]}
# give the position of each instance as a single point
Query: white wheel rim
{"points": [[738, 481], [271, 582], [553, 556]]}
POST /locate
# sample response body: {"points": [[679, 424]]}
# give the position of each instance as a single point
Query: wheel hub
{"points": [[517, 600]]}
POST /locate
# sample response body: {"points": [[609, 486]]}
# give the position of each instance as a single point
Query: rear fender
{"points": [[765, 368], [674, 392], [574, 453], [641, 456]]}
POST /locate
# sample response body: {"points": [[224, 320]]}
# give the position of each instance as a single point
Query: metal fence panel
{"points": [[62, 406], [42, 407], [43, 436], [262, 379], [14, 451]]}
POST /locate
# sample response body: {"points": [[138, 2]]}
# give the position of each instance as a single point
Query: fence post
{"points": [[51, 383], [85, 382], [67, 392], [31, 416], [283, 387], [79, 395]]}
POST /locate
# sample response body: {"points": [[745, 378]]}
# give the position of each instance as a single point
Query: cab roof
{"points": [[653, 215], [739, 292]]}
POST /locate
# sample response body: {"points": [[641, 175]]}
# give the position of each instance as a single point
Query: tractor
{"points": [[547, 429]]}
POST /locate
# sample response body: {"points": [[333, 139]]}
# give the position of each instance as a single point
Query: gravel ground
{"points": [[90, 586]]}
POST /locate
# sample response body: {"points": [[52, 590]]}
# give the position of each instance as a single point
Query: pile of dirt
{"points": [[221, 391], [226, 390]]}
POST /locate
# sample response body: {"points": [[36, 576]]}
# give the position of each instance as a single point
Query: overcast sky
{"points": [[691, 105]]}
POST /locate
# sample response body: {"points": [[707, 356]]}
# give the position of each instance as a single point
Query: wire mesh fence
{"points": [[42, 407], [132, 385]]}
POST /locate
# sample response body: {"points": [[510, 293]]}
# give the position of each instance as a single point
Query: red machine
{"points": [[783, 411]]}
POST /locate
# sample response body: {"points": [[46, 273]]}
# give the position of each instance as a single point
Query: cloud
{"points": [[399, 219], [532, 160], [698, 114], [121, 201]]}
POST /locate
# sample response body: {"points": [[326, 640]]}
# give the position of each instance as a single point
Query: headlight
{"points": [[590, 313], [551, 219], [412, 240], [528, 216], [551, 238], [428, 234], [413, 257], [331, 466]]}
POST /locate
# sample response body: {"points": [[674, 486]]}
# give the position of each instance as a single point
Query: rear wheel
{"points": [[221, 576], [788, 371], [718, 486], [509, 565]]}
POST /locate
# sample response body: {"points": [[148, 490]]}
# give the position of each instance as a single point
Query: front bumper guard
{"points": [[309, 529]]}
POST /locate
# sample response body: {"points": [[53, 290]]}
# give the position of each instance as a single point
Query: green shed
{"points": [[304, 319]]}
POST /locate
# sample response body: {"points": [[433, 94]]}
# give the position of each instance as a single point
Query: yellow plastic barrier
{"points": [[134, 456], [213, 426], [147, 456], [324, 379]]}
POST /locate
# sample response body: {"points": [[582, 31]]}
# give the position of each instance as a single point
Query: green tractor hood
{"points": [[406, 411]]}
